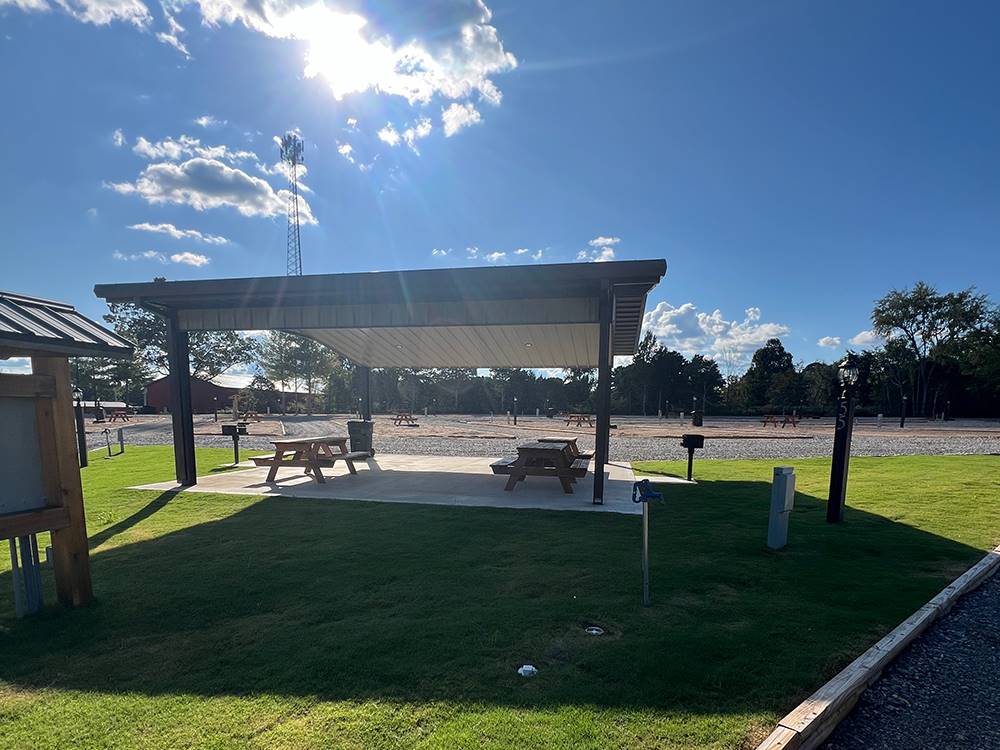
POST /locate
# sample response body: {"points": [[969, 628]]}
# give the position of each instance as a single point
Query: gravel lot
{"points": [[642, 439], [942, 692]]}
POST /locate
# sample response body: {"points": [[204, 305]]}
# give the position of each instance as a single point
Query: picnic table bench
{"points": [[121, 414], [311, 453], [404, 417], [543, 459], [786, 419], [579, 419]]}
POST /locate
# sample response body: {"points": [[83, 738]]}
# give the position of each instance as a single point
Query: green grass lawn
{"points": [[242, 622]]}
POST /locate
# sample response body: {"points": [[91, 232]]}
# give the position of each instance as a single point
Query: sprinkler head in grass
{"points": [[528, 670], [594, 630]]}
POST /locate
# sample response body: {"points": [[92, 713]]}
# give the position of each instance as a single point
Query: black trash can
{"points": [[697, 418], [360, 434]]}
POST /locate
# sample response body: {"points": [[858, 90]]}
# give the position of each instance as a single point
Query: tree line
{"points": [[940, 356]]}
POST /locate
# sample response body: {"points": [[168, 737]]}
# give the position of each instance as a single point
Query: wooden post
{"points": [[179, 370], [365, 376], [603, 396], [71, 556]]}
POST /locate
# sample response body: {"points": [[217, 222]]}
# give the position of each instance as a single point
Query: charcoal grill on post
{"points": [[692, 442]]}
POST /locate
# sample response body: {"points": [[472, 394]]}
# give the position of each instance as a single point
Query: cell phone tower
{"points": [[290, 148]]}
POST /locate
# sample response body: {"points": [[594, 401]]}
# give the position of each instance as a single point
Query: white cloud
{"points": [[537, 255], [172, 37], [187, 258], [92, 213], [457, 116], [208, 183], [439, 252], [97, 12], [174, 149], [352, 123], [190, 259], [180, 234], [829, 342], [345, 150], [420, 129], [866, 339], [449, 50], [601, 250], [389, 135], [209, 121], [597, 255], [118, 138], [495, 257], [353, 56], [521, 251], [689, 331], [148, 255], [604, 241], [472, 252]]}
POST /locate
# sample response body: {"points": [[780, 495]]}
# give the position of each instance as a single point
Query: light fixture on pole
{"points": [[848, 374], [81, 437], [902, 414]]}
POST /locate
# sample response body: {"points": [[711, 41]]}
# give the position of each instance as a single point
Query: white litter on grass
{"points": [[527, 671], [594, 630]]}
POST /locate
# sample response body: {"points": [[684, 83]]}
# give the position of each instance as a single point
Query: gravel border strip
{"points": [[812, 721]]}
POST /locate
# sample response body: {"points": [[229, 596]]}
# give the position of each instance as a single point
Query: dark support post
{"points": [[180, 403], [603, 400], [365, 374], [848, 374], [81, 434]]}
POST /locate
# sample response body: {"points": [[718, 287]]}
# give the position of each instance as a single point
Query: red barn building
{"points": [[206, 396]]}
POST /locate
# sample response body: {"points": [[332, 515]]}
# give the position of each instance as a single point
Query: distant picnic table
{"points": [[311, 453], [119, 414], [786, 419], [404, 417], [544, 458], [579, 419]]}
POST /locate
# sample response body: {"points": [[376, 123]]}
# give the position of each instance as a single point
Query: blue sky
{"points": [[791, 160]]}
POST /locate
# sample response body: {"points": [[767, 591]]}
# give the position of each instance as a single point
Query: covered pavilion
{"points": [[539, 316]]}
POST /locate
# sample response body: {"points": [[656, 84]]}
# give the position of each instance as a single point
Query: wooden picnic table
{"points": [[310, 453], [121, 414], [404, 417], [571, 441], [541, 458], [786, 419], [579, 419]]}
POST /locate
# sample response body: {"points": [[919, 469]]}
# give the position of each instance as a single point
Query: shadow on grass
{"points": [[127, 523], [347, 600]]}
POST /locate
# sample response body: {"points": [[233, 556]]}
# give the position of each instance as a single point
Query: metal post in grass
{"points": [[643, 492], [81, 435], [902, 413], [848, 374]]}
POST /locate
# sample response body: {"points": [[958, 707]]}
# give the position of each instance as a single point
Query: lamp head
{"points": [[848, 371]]}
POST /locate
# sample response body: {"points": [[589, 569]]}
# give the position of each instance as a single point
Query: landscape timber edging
{"points": [[812, 721]]}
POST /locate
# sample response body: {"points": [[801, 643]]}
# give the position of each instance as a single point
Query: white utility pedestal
{"points": [[782, 501]]}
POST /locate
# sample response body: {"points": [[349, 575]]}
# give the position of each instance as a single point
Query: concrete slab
{"points": [[432, 480]]}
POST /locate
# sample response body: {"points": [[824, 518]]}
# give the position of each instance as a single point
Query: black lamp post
{"points": [[902, 414], [515, 411], [215, 407], [848, 374], [81, 437]]}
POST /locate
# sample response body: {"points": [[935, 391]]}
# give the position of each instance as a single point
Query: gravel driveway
{"points": [[461, 438], [942, 692]]}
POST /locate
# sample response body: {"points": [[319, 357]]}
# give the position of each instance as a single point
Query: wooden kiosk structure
{"points": [[558, 315], [40, 487]]}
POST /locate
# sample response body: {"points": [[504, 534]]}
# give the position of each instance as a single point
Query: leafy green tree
{"points": [[770, 360], [934, 326], [211, 352]]}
